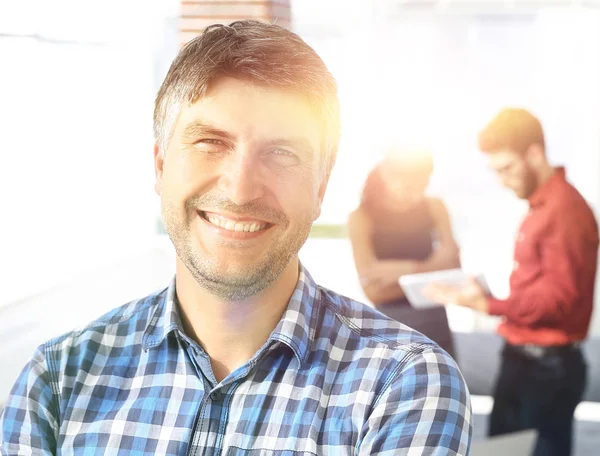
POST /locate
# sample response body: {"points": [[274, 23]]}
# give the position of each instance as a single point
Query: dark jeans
{"points": [[539, 393], [432, 322]]}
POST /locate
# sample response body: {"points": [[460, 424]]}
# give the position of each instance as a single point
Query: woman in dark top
{"points": [[397, 230]]}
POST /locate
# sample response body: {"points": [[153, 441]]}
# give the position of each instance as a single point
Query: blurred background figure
{"points": [[398, 230], [547, 315]]}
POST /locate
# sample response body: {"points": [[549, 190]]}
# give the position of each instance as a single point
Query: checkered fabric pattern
{"points": [[335, 378]]}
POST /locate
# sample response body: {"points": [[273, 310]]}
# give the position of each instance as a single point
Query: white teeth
{"points": [[255, 227], [231, 225]]}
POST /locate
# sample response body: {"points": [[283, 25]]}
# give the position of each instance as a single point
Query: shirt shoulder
{"points": [[352, 325], [571, 210], [120, 328], [399, 366], [567, 196]]}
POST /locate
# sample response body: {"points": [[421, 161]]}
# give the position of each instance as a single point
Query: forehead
{"points": [[502, 159], [253, 112]]}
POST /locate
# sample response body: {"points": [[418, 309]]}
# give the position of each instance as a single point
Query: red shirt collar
{"points": [[541, 194]]}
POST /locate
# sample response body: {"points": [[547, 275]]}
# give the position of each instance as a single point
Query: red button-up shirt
{"points": [[552, 283]]}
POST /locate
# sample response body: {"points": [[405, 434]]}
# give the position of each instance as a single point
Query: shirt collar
{"points": [[541, 194], [297, 325], [165, 319], [293, 330]]}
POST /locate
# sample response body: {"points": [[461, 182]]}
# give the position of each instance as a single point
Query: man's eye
{"points": [[210, 141], [210, 146], [282, 152], [283, 157]]}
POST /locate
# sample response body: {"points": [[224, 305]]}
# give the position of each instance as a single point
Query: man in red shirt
{"points": [[547, 315]]}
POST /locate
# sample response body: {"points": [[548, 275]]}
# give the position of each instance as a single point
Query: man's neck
{"points": [[544, 174], [232, 332]]}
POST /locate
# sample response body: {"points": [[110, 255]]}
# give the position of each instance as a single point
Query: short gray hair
{"points": [[266, 54]]}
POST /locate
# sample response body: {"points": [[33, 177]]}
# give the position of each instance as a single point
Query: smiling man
{"points": [[242, 354]]}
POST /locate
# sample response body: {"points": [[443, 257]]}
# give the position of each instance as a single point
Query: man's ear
{"points": [[536, 154], [158, 168]]}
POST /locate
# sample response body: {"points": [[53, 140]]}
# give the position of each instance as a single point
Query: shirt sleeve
{"points": [[29, 419], [426, 409], [567, 254]]}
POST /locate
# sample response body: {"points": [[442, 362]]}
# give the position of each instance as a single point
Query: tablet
{"points": [[414, 284]]}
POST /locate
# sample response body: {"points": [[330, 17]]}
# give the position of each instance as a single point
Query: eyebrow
{"points": [[198, 128]]}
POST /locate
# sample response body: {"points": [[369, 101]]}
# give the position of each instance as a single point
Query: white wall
{"points": [[78, 80]]}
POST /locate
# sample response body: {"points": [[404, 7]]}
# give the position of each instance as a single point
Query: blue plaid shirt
{"points": [[334, 378]]}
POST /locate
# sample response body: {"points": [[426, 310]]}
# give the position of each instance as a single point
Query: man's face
{"points": [[515, 172], [240, 185], [406, 187]]}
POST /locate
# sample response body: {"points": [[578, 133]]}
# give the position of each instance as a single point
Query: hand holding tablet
{"points": [[451, 286]]}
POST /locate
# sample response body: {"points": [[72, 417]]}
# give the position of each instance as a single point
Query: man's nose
{"points": [[240, 180]]}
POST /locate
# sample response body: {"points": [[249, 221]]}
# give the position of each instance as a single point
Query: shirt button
{"points": [[216, 396], [515, 265]]}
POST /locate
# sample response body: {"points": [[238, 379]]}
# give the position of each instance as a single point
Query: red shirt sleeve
{"points": [[567, 252]]}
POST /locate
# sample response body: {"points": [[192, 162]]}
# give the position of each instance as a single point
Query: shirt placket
{"points": [[213, 410]]}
